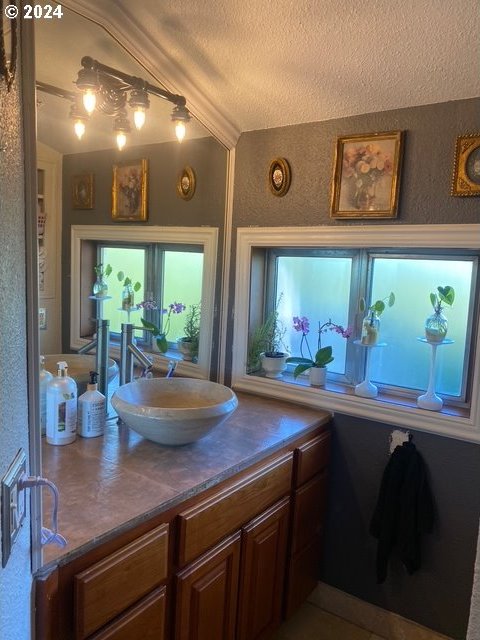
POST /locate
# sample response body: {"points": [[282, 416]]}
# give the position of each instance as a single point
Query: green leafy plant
{"points": [[191, 328], [379, 305], [266, 338], [101, 271], [444, 294], [323, 355], [127, 281], [160, 333]]}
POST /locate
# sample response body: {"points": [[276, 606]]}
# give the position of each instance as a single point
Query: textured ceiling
{"points": [[267, 64], [246, 65]]}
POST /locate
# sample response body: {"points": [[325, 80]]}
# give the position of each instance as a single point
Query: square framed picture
{"points": [[466, 170], [83, 194], [129, 191], [366, 175]]}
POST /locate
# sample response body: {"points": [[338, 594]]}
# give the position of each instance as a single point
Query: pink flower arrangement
{"points": [[366, 165]]}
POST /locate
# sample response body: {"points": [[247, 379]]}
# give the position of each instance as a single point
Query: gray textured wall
{"points": [[439, 595], [208, 159], [15, 579]]}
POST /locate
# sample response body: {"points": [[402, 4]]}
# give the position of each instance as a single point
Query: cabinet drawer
{"points": [[144, 621], [110, 586], [308, 511], [311, 457], [205, 524]]}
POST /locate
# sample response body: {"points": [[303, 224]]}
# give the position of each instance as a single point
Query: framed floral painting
{"points": [[129, 191], [83, 193], [366, 175], [466, 170]]}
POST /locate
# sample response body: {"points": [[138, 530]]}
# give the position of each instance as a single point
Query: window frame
{"points": [[206, 237], [463, 425]]}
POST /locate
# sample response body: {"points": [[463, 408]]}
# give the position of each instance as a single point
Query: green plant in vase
{"points": [[160, 332], [188, 343], [436, 325], [100, 287], [129, 290], [265, 345], [371, 322]]}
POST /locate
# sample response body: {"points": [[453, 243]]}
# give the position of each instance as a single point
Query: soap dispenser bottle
{"points": [[61, 407], [45, 377], [91, 410]]}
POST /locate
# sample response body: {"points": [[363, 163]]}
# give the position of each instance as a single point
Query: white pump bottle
{"points": [[61, 407]]}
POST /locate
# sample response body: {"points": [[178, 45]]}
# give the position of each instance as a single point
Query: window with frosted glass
{"points": [[405, 361], [319, 289], [132, 261]]}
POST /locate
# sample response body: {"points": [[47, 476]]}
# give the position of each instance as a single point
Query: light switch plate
{"points": [[13, 504]]}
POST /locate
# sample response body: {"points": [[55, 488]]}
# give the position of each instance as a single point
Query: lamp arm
{"points": [[134, 82]]}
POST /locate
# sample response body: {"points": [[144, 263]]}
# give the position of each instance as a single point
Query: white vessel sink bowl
{"points": [[79, 367], [173, 411]]}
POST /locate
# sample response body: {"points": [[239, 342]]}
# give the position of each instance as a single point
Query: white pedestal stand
{"points": [[430, 400], [99, 300], [366, 389]]}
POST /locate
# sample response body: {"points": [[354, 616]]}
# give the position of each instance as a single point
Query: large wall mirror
{"points": [[83, 183]]}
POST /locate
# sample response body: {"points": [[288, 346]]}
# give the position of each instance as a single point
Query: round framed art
{"points": [[279, 177]]}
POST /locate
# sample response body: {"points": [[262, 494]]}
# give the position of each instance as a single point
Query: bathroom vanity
{"points": [[217, 540]]}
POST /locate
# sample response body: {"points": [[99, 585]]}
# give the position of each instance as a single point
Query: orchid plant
{"points": [[323, 356], [160, 334]]}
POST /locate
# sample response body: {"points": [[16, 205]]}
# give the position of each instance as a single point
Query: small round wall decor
{"points": [[279, 177], [186, 184]]}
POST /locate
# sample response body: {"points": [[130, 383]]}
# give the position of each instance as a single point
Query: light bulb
{"points": [[79, 128], [89, 101], [121, 140], [139, 117], [180, 130]]}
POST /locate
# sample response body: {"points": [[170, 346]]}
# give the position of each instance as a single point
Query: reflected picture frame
{"points": [[129, 191], [466, 166], [186, 183], [279, 177], [366, 175], [83, 191]]}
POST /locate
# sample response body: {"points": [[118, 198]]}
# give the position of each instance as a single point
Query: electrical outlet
{"points": [[13, 504]]}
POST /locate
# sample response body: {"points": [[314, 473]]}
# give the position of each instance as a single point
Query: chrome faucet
{"points": [[129, 351], [101, 342], [172, 365]]}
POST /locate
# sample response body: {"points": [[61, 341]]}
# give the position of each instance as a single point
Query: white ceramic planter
{"points": [[317, 376], [273, 366]]}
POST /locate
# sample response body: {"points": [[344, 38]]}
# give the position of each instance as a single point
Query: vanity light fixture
{"points": [[104, 89]]}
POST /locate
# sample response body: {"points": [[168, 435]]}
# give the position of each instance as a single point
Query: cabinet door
{"points": [[144, 621], [207, 592], [264, 548]]}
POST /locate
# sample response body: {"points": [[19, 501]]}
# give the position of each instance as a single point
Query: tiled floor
{"points": [[312, 623]]}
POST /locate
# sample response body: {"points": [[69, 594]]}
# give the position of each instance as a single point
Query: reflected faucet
{"points": [[129, 351], [101, 342]]}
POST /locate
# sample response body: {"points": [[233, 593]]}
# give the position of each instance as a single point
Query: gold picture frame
{"points": [[466, 166], [83, 191], [279, 177], [366, 175], [186, 183], [129, 191]]}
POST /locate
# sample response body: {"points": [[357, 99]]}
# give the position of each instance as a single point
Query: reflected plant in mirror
{"points": [[160, 333]]}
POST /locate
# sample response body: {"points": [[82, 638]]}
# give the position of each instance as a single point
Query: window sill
{"points": [[454, 422]]}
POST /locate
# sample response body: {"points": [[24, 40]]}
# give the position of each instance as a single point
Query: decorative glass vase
{"points": [[436, 327], [127, 297], [370, 329], [100, 287]]}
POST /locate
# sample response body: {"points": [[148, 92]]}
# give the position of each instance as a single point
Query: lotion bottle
{"points": [[61, 407], [45, 377], [91, 410]]}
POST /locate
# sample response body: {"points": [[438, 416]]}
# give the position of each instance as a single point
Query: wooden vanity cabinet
{"points": [[227, 564], [309, 496]]}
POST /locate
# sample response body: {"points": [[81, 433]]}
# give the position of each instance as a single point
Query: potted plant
{"points": [[160, 333], [266, 346], [188, 343], [436, 325], [100, 287], [371, 322], [317, 366], [128, 295]]}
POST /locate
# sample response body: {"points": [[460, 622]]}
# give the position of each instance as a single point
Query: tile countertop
{"points": [[111, 483]]}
